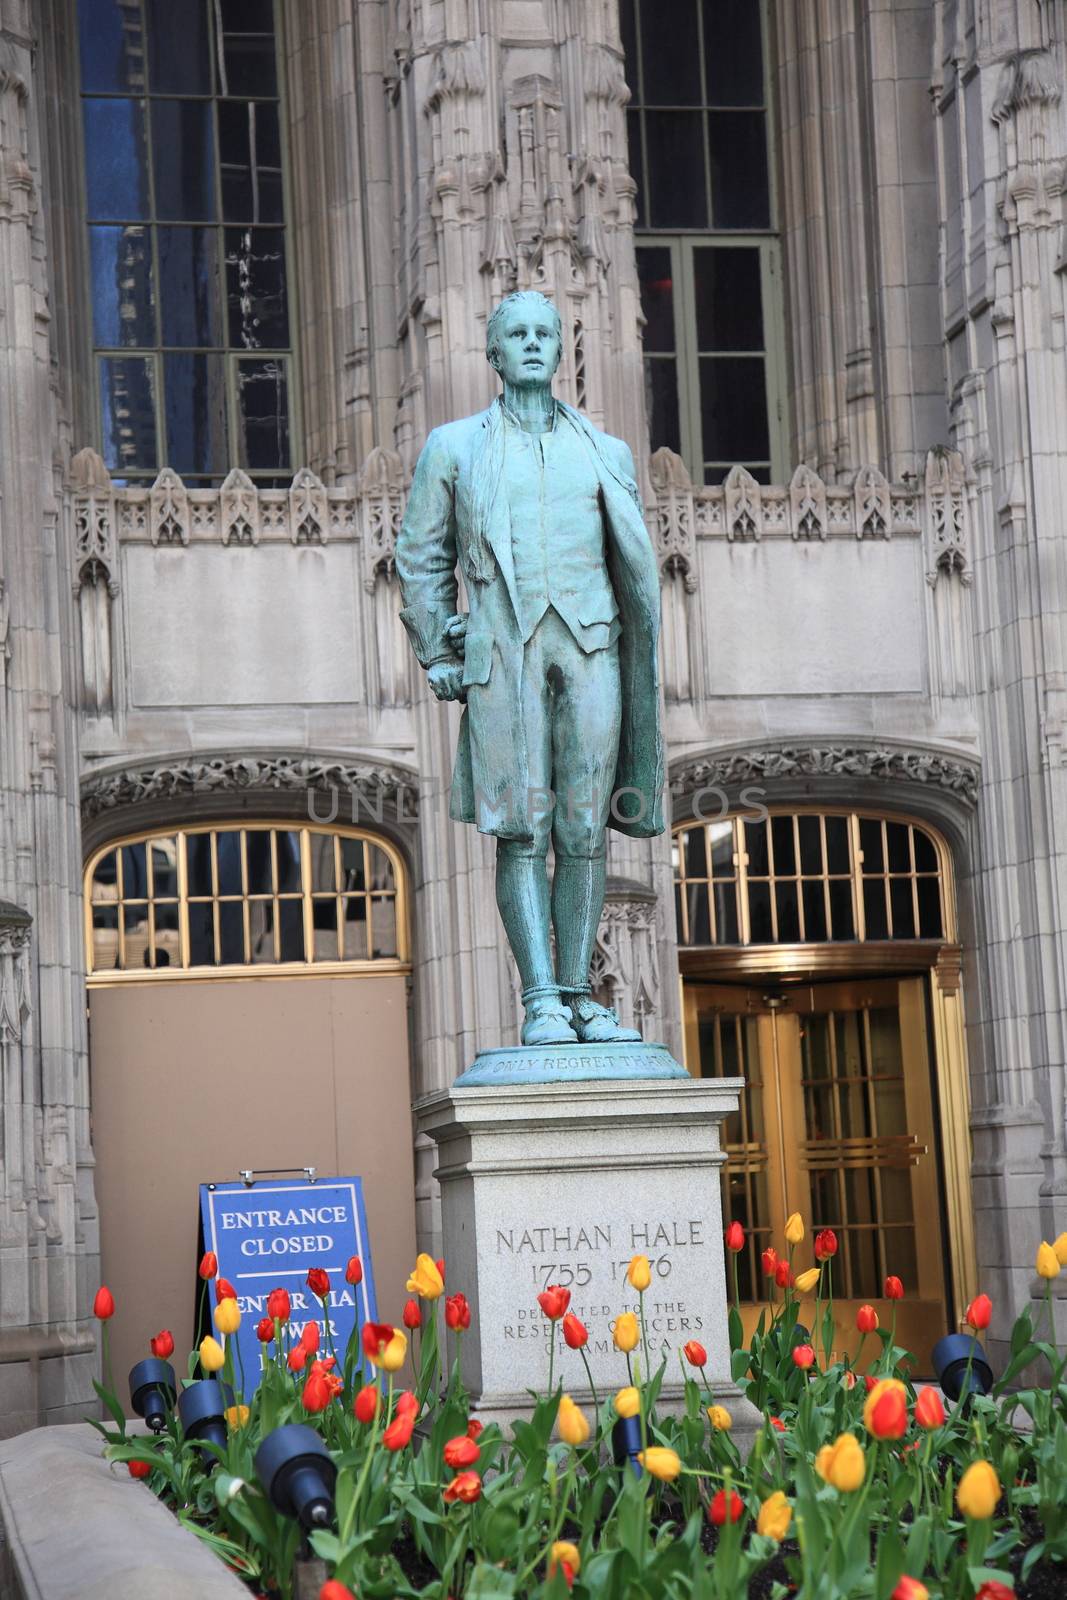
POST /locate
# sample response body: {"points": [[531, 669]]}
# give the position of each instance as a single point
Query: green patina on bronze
{"points": [[556, 660]]}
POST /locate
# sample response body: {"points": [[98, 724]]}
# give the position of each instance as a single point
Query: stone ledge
{"points": [[75, 1527]]}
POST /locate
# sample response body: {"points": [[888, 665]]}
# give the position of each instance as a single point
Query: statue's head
{"points": [[524, 339]]}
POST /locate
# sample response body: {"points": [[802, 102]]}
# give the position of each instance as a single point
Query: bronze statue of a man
{"points": [[556, 660]]}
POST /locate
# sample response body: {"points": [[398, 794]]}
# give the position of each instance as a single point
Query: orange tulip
{"points": [[209, 1264], [885, 1411], [929, 1412], [866, 1319], [466, 1487], [979, 1313]]}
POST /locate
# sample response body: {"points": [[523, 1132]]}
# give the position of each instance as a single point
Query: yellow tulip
{"points": [[626, 1333], [720, 1419], [572, 1422], [227, 1316], [1048, 1262], [639, 1273], [660, 1462], [425, 1279], [806, 1281], [979, 1491], [394, 1355], [794, 1229], [627, 1402], [237, 1416], [1060, 1246], [563, 1550], [775, 1515], [843, 1463], [212, 1355]]}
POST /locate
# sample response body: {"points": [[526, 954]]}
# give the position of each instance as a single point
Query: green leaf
{"points": [[116, 1412], [490, 1583], [890, 1563]]}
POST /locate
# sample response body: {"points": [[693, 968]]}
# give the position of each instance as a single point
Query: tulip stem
{"points": [[644, 1333], [592, 1386], [551, 1355], [345, 1530], [241, 1363]]}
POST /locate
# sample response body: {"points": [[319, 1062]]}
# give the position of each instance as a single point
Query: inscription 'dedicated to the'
{"points": [[594, 1257]]}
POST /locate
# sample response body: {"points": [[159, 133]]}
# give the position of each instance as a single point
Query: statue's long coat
{"points": [[455, 511]]}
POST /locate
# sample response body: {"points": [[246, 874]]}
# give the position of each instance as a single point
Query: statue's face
{"points": [[527, 352]]}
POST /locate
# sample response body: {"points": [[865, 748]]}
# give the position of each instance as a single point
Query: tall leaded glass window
{"points": [[186, 215], [707, 255]]}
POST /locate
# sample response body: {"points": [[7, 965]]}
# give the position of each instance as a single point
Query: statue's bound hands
{"points": [[446, 680]]}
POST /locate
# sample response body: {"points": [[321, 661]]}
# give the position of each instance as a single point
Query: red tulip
{"points": [[365, 1405], [908, 1589], [889, 1415], [104, 1304], [309, 1337], [869, 1383], [783, 1275], [894, 1289], [474, 1428], [467, 1486], [278, 1305], [162, 1346], [209, 1264], [718, 1512], [399, 1431], [375, 1336], [769, 1259], [461, 1452], [316, 1395], [554, 1301], [440, 1265], [978, 1313], [575, 1333], [993, 1589], [296, 1360], [825, 1244], [457, 1313], [412, 1314], [265, 1330], [332, 1589], [866, 1319], [354, 1270], [318, 1281], [407, 1402], [139, 1469], [735, 1237], [777, 1424], [224, 1290], [695, 1353], [929, 1412], [803, 1356]]}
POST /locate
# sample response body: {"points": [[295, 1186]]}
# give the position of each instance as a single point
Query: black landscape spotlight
{"points": [[152, 1391], [626, 1442], [297, 1471], [202, 1412], [961, 1367]]}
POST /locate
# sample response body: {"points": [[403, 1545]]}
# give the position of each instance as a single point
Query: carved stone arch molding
{"points": [[928, 782], [296, 787]]}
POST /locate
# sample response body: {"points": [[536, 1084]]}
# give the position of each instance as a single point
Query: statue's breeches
{"points": [[571, 710]]}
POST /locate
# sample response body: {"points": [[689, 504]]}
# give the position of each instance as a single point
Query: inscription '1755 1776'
{"points": [[568, 1255]]}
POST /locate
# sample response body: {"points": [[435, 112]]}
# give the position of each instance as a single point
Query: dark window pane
{"points": [[178, 58], [189, 286], [837, 858], [788, 915], [810, 844], [353, 865], [164, 868], [232, 933], [729, 300], [116, 165], [629, 43], [261, 930], [733, 408], [903, 910], [250, 161], [246, 65], [134, 872], [756, 848], [930, 926], [291, 925], [256, 310], [288, 848], [699, 914], [262, 414], [925, 854], [726, 914], [637, 166], [722, 849], [874, 909], [676, 193], [111, 45], [871, 844], [661, 403], [670, 53], [201, 936], [896, 834], [128, 414], [194, 403], [183, 159], [257, 850], [228, 853], [696, 861], [759, 913], [842, 925], [740, 191], [782, 840], [814, 911], [657, 297], [122, 286], [733, 55], [247, 16], [198, 863]]}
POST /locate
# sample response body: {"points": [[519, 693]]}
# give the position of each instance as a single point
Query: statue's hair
{"points": [[492, 327]]}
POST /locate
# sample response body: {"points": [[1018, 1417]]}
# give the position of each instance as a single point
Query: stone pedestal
{"points": [[563, 1183]]}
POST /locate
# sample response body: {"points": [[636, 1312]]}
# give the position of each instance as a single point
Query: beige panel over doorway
{"points": [[192, 1081]]}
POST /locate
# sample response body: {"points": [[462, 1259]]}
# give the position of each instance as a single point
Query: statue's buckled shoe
{"points": [[546, 1023], [595, 1024]]}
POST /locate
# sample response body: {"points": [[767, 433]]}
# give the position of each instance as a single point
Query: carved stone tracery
{"points": [[958, 775], [143, 785]]}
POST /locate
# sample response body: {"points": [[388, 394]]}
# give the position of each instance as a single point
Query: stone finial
{"points": [[88, 474]]}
